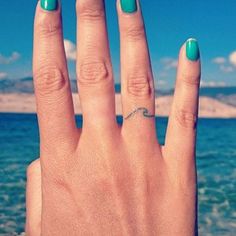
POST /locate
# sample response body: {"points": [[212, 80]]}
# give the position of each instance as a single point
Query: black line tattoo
{"points": [[144, 110]]}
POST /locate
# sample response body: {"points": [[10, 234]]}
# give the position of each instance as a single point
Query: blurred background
{"points": [[168, 25]]}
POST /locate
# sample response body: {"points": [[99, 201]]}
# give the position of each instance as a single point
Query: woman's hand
{"points": [[104, 179]]}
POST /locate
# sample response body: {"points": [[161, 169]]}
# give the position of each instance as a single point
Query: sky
{"points": [[168, 24]]}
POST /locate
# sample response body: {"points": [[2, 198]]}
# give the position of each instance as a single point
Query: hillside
{"points": [[226, 95]]}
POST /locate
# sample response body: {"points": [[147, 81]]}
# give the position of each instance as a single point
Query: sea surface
{"points": [[216, 161]]}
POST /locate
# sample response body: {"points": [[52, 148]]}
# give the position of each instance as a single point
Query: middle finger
{"points": [[94, 70]]}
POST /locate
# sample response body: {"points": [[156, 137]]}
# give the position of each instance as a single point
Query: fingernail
{"points": [[49, 5], [128, 6], [192, 49]]}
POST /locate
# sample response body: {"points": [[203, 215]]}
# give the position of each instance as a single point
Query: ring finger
{"points": [[138, 96]]}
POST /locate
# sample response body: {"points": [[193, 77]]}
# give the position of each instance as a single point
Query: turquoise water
{"points": [[216, 159]]}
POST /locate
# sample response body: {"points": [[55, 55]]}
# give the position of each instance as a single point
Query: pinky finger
{"points": [[33, 199], [181, 131]]}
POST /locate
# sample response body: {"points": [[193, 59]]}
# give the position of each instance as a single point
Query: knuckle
{"points": [[49, 79], [186, 119], [88, 11], [48, 27], [190, 79], [135, 32], [91, 73], [140, 86]]}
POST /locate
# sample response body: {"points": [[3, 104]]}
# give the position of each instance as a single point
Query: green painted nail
{"points": [[192, 49], [49, 5], [128, 6]]}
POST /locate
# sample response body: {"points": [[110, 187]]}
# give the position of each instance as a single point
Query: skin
{"points": [[105, 179]]}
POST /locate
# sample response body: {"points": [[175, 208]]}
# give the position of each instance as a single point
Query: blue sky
{"points": [[168, 24]]}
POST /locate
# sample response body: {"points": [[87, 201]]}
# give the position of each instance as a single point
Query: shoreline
{"points": [[208, 107], [118, 115]]}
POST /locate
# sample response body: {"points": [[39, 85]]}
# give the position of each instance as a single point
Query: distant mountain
{"points": [[224, 94], [25, 85], [16, 86]]}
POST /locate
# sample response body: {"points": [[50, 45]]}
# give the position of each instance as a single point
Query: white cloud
{"points": [[219, 60], [8, 60], [232, 58], [212, 84], [226, 65], [226, 69], [3, 75], [169, 63], [70, 49]]}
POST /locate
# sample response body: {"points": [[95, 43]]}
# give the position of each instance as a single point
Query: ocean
{"points": [[216, 161]]}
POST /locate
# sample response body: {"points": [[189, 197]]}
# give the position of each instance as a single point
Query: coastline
{"points": [[208, 107]]}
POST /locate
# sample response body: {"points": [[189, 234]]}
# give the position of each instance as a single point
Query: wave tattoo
{"points": [[144, 111]]}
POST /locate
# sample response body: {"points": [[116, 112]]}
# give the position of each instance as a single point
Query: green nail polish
{"points": [[49, 5], [192, 49], [128, 6]]}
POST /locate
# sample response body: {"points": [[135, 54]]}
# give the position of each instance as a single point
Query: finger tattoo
{"points": [[144, 111]]}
